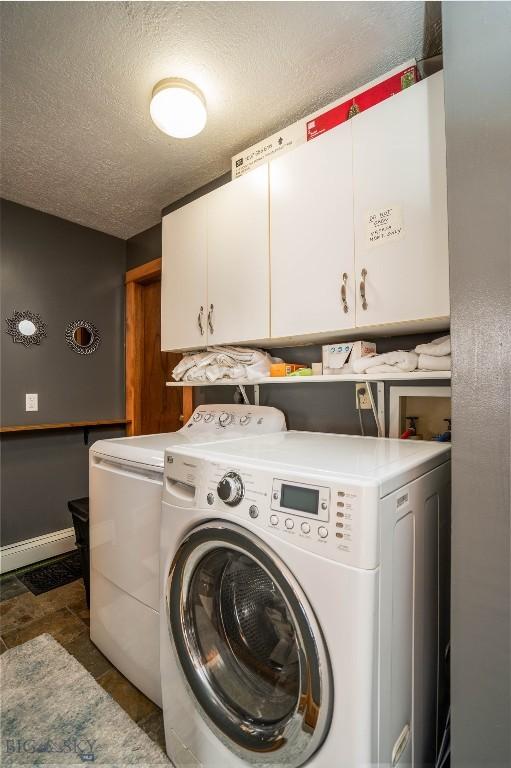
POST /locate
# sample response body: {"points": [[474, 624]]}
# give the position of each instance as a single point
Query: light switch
{"points": [[31, 403]]}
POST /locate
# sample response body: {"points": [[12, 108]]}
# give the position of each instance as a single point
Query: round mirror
{"points": [[83, 337], [27, 327]]}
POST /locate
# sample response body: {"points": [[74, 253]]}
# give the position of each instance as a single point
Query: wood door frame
{"points": [[134, 281]]}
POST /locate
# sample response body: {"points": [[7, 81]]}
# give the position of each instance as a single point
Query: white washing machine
{"points": [[302, 601], [125, 487]]}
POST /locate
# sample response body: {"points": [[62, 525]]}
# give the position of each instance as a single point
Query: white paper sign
{"points": [[385, 225], [290, 138]]}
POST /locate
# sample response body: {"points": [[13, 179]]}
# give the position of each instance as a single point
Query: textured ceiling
{"points": [[76, 137]]}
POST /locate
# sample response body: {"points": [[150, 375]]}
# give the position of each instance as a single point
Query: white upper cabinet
{"points": [[184, 275], [347, 234], [238, 260], [311, 237], [399, 171]]}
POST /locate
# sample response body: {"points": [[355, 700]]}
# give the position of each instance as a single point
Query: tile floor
{"points": [[63, 613]]}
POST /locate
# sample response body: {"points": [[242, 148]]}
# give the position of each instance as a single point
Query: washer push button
{"points": [[289, 523], [322, 532], [274, 520], [305, 527]]}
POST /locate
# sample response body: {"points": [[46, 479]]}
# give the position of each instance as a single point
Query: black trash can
{"points": [[79, 509]]}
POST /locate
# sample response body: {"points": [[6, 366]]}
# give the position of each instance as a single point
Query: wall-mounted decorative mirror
{"points": [[83, 337], [26, 328]]}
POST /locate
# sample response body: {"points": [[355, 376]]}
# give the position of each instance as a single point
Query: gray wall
{"points": [[63, 272], [143, 247], [40, 472], [477, 60]]}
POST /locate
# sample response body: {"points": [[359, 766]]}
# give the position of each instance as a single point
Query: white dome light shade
{"points": [[178, 108]]}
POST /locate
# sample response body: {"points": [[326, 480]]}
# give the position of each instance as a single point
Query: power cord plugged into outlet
{"points": [[362, 397], [361, 393], [365, 401]]}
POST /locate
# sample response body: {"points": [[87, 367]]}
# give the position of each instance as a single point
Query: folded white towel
{"points": [[433, 363], [436, 348], [218, 363], [399, 360]]}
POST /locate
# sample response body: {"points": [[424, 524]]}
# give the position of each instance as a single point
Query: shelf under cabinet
{"points": [[413, 376]]}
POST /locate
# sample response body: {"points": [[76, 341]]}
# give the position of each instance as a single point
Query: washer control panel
{"points": [[323, 515], [335, 521]]}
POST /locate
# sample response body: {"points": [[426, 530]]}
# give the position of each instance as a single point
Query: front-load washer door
{"points": [[249, 646]]}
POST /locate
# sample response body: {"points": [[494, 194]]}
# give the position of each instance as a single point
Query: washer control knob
{"points": [[274, 520], [305, 528], [275, 495], [210, 498], [225, 418], [244, 420], [197, 416], [230, 489], [289, 523], [208, 417], [322, 532], [324, 505], [253, 511]]}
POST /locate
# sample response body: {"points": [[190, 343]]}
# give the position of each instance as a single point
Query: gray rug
{"points": [[54, 713]]}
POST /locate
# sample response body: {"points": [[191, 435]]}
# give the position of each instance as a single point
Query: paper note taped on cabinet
{"points": [[385, 225]]}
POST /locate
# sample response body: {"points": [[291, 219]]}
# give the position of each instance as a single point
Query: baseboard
{"points": [[33, 550]]}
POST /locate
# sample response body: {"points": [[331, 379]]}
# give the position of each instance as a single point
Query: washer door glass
{"points": [[245, 643]]}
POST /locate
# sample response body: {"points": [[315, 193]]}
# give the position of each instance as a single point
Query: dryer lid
{"points": [[208, 424], [141, 449]]}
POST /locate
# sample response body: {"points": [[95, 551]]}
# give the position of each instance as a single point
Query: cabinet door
{"points": [[311, 237], [183, 279], [238, 260], [399, 172]]}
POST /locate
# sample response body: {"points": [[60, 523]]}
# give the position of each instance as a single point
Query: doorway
{"points": [[151, 406]]}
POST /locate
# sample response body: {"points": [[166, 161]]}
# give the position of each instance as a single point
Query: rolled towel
{"points": [[436, 348], [399, 360], [434, 363]]}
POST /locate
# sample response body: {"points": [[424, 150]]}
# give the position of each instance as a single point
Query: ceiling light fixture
{"points": [[178, 108]]}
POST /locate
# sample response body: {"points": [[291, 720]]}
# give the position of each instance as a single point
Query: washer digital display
{"points": [[299, 499]]}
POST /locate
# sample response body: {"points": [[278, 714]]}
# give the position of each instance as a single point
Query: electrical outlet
{"points": [[31, 403], [362, 397]]}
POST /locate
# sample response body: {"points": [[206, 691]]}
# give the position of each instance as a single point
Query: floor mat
{"points": [[55, 713], [55, 574]]}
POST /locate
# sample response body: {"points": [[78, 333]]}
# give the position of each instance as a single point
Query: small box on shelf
{"points": [[339, 358]]}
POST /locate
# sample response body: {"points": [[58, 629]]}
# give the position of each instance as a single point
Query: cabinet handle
{"points": [[363, 289], [343, 292], [210, 319], [199, 321]]}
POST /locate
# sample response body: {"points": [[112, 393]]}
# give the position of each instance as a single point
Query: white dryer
{"points": [[301, 601], [125, 487]]}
